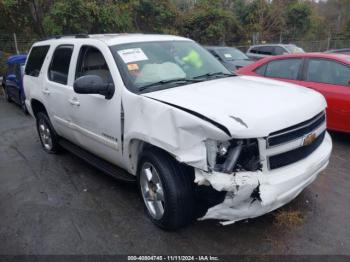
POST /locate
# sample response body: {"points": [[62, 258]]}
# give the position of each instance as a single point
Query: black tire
{"points": [[7, 97], [178, 187], [42, 118]]}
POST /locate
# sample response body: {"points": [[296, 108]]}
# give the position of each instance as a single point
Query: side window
{"points": [[261, 70], [92, 62], [253, 50], [279, 50], [327, 71], [59, 67], [284, 68], [36, 60], [265, 50]]}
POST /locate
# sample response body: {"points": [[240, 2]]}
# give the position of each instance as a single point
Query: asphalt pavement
{"points": [[58, 204]]}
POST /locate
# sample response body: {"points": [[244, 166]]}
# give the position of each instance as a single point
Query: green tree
{"points": [[159, 16], [298, 20], [87, 16], [209, 23]]}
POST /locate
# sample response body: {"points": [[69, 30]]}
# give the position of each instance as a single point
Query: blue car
{"points": [[12, 81]]}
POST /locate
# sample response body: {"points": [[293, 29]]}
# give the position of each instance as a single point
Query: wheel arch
{"points": [[37, 106], [136, 146]]}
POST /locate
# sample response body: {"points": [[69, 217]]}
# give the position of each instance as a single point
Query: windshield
{"points": [[294, 49], [165, 64], [230, 54]]}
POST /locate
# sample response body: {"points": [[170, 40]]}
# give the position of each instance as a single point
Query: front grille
{"points": [[295, 155], [297, 131]]}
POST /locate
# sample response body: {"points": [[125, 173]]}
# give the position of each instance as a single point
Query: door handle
{"points": [[74, 101], [46, 91]]}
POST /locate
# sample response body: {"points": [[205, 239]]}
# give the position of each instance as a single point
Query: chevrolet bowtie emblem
{"points": [[309, 139]]}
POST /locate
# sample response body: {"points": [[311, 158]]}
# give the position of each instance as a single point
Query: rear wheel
{"points": [[47, 135], [167, 189]]}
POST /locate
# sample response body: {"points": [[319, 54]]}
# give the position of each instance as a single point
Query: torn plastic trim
{"points": [[218, 125], [246, 193]]}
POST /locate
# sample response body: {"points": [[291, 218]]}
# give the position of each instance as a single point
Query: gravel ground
{"points": [[58, 204]]}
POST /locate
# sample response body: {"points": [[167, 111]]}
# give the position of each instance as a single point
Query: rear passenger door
{"points": [[56, 89], [332, 79], [96, 120]]}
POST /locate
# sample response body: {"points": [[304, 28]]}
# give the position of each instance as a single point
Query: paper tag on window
{"points": [[133, 67], [228, 55], [132, 55]]}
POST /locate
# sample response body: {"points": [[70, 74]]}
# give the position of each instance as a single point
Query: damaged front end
{"points": [[234, 169], [249, 185]]}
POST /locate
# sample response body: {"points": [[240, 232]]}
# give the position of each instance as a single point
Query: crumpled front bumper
{"points": [[275, 188]]}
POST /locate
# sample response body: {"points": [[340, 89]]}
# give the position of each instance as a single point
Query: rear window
{"points": [[294, 49], [59, 68], [36, 60]]}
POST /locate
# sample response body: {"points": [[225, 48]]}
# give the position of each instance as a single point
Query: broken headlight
{"points": [[234, 155]]}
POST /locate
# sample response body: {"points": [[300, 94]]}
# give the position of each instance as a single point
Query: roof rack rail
{"points": [[62, 36]]}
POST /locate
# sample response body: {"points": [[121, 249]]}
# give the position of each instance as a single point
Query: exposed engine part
{"points": [[242, 155], [232, 158]]}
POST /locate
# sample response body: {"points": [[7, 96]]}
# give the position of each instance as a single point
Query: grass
{"points": [[289, 219]]}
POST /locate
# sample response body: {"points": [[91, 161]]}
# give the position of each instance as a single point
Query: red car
{"points": [[326, 73]]}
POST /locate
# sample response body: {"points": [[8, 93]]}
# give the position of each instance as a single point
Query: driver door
{"points": [[95, 119]]}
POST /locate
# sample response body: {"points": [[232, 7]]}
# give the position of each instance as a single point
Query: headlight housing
{"points": [[234, 155]]}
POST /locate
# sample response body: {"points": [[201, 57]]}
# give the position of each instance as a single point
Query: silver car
{"points": [[257, 52]]}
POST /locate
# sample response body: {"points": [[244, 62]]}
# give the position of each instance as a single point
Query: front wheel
{"points": [[167, 190], [47, 135]]}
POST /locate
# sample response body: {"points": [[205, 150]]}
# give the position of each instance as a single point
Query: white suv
{"points": [[200, 141]]}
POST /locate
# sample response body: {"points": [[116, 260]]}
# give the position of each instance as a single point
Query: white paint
{"points": [[248, 107], [264, 106]]}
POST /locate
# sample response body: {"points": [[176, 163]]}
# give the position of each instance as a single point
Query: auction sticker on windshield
{"points": [[132, 55]]}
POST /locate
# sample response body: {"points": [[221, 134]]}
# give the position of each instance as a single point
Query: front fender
{"points": [[180, 133]]}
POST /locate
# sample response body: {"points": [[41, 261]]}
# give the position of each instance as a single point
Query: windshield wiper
{"points": [[170, 81], [216, 74]]}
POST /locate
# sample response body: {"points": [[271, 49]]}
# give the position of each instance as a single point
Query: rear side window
{"points": [[284, 68], [266, 50], [36, 60], [327, 71], [262, 50], [59, 67]]}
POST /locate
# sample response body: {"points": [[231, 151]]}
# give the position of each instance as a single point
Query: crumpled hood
{"points": [[247, 106]]}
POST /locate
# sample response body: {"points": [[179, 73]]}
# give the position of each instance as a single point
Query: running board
{"points": [[97, 162]]}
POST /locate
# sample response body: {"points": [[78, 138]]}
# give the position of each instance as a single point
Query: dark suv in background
{"points": [[231, 57]]}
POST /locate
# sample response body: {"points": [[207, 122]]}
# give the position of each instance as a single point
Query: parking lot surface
{"points": [[58, 204]]}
